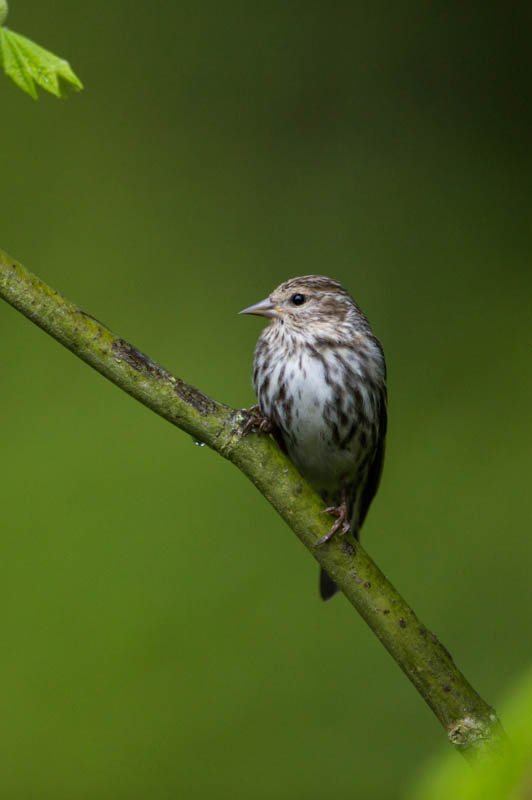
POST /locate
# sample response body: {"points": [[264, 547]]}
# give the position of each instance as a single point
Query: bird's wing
{"points": [[375, 471]]}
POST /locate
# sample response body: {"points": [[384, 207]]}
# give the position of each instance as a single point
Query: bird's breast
{"points": [[319, 402]]}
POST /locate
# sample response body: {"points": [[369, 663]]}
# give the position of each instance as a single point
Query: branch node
{"points": [[476, 737]]}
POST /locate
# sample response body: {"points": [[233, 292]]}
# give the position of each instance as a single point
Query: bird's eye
{"points": [[298, 299]]}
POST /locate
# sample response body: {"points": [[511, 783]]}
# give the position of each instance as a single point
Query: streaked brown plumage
{"points": [[320, 378]]}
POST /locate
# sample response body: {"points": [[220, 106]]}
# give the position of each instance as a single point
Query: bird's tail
{"points": [[328, 588]]}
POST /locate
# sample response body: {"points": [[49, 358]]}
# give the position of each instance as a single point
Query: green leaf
{"points": [[28, 64], [507, 776]]}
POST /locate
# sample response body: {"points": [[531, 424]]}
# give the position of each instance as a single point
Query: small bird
{"points": [[320, 379]]}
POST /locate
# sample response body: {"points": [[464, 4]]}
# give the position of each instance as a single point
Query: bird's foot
{"points": [[257, 421], [340, 512]]}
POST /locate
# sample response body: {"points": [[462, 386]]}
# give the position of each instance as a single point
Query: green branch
{"points": [[472, 725]]}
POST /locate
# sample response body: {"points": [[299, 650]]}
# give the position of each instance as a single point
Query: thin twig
{"points": [[471, 724]]}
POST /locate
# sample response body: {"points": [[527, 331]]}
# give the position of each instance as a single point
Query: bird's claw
{"points": [[257, 421], [340, 512]]}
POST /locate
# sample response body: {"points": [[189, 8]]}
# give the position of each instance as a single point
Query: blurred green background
{"points": [[162, 632]]}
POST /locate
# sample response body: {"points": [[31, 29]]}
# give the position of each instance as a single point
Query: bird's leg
{"points": [[340, 512], [258, 421]]}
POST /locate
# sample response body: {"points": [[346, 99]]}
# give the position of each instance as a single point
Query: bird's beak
{"points": [[263, 309]]}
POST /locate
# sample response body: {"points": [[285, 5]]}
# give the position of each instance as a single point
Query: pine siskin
{"points": [[320, 379]]}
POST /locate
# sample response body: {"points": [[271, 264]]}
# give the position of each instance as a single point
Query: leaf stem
{"points": [[4, 9]]}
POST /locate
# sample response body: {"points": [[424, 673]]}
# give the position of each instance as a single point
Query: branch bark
{"points": [[472, 725]]}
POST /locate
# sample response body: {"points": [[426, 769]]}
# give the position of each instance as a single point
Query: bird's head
{"points": [[311, 303]]}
